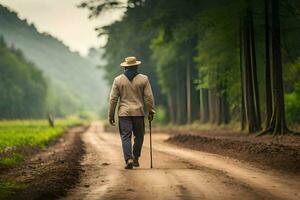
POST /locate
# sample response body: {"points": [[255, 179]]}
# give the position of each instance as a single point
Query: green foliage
{"points": [[23, 87], [161, 115], [9, 188], [165, 57], [217, 55], [88, 116], [292, 107], [292, 85], [13, 160], [31, 132], [62, 102]]}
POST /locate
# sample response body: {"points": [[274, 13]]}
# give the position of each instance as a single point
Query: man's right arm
{"points": [[149, 99], [113, 101]]}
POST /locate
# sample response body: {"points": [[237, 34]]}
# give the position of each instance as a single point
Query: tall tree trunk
{"points": [[251, 88], [195, 99], [278, 119], [219, 110], [204, 105], [200, 105], [182, 96], [222, 115], [195, 96], [278, 122], [254, 73], [269, 102], [188, 93], [213, 106], [248, 81], [178, 107], [242, 112], [225, 109], [172, 110], [227, 114]]}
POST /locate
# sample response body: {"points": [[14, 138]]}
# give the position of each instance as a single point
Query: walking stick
{"points": [[150, 144]]}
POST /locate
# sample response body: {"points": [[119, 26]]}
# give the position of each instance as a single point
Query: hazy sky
{"points": [[64, 20]]}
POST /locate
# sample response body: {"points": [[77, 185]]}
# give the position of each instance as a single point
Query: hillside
{"points": [[69, 73], [23, 87]]}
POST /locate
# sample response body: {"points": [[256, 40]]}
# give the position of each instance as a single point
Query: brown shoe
{"points": [[129, 164], [136, 162]]}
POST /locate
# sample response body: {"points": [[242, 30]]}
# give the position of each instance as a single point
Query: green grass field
{"points": [[33, 133], [24, 133]]}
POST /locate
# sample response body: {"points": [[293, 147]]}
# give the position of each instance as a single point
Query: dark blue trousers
{"points": [[127, 127]]}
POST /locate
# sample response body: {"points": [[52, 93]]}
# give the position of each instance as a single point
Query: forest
{"points": [[212, 62], [71, 79], [23, 87]]}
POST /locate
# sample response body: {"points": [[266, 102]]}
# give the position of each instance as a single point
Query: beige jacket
{"points": [[131, 96]]}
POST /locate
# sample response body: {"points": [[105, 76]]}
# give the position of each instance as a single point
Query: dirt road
{"points": [[178, 173]]}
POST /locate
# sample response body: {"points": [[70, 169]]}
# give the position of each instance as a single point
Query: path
{"points": [[178, 173]]}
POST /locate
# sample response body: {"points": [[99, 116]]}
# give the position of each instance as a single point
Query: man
{"points": [[131, 89]]}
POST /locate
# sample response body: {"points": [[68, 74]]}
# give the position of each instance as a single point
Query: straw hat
{"points": [[130, 61]]}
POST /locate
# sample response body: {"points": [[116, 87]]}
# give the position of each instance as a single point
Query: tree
{"points": [[252, 107], [268, 85], [277, 123]]}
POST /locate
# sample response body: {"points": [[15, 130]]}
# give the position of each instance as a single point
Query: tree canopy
{"points": [[216, 61]]}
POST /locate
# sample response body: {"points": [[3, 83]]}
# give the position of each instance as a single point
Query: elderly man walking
{"points": [[132, 90]]}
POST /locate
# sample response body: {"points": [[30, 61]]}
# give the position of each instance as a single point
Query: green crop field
{"points": [[16, 134], [19, 133]]}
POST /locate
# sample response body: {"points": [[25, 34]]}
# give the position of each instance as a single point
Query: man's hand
{"points": [[112, 121], [150, 117]]}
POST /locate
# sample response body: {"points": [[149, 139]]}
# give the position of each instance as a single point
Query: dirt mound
{"points": [[51, 172], [264, 154]]}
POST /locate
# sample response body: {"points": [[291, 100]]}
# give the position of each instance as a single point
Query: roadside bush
{"points": [[292, 107]]}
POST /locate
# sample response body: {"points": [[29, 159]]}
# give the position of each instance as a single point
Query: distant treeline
{"points": [[213, 61], [23, 87], [75, 85]]}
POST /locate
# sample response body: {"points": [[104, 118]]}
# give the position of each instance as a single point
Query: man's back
{"points": [[132, 95]]}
